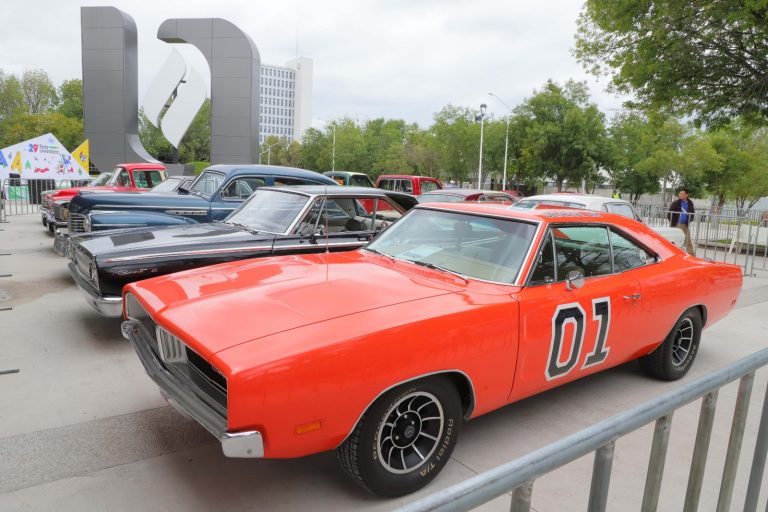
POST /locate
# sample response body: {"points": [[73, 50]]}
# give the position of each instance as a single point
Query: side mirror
{"points": [[574, 280], [317, 234]]}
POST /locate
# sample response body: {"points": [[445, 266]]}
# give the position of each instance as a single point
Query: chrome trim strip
{"points": [[321, 245], [190, 253], [248, 444], [139, 207], [227, 209], [110, 307], [467, 415]]}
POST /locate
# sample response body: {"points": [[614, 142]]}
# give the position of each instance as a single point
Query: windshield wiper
{"points": [[244, 227], [374, 251], [442, 269]]}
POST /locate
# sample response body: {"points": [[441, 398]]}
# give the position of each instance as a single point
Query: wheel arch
{"points": [[458, 378]]}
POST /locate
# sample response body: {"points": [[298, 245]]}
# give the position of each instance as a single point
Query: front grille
{"points": [[83, 262], [60, 212], [184, 363], [76, 223]]}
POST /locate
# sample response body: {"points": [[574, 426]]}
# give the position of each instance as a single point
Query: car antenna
{"points": [[327, 248]]}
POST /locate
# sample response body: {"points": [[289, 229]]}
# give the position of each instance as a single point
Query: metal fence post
{"points": [[700, 451], [734, 442], [601, 478], [521, 498], [758, 461], [656, 464]]}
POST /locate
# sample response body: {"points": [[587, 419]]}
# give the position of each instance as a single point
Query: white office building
{"points": [[286, 99]]}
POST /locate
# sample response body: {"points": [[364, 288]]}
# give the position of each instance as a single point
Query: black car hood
{"points": [[162, 239]]}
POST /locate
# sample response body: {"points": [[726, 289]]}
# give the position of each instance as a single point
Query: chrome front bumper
{"points": [[234, 444], [111, 307]]}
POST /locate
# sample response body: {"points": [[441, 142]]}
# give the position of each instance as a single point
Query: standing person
{"points": [[680, 215]]}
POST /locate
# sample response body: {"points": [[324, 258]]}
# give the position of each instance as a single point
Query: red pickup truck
{"points": [[124, 178], [415, 185]]}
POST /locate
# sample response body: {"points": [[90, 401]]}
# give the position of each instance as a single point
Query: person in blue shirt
{"points": [[680, 215]]}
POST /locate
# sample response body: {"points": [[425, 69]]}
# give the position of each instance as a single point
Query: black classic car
{"points": [[214, 194], [273, 221]]}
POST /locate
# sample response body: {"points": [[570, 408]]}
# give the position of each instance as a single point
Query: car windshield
{"points": [[168, 185], [474, 246], [272, 211], [529, 204], [208, 183], [440, 198], [101, 180], [359, 180]]}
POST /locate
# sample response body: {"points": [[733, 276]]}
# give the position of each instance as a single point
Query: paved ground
{"points": [[83, 429]]}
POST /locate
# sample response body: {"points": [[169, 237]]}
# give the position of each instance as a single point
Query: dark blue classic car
{"points": [[216, 193]]}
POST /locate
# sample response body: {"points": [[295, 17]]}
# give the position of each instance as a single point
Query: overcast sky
{"points": [[378, 58]]}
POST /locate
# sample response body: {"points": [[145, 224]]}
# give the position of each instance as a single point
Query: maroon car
{"points": [[457, 195]]}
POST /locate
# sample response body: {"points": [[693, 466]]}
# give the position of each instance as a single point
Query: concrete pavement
{"points": [[82, 427]]}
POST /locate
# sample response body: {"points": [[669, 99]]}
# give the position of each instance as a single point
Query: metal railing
{"points": [[23, 196], [519, 475], [722, 234]]}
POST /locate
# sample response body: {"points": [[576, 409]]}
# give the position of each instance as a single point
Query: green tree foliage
{"points": [[457, 141], [11, 96], [38, 90], [21, 127], [703, 58], [71, 98], [564, 134]]}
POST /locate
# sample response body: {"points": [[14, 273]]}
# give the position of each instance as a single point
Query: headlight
{"points": [[93, 274], [87, 224]]}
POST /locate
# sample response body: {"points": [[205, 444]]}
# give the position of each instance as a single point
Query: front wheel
{"points": [[674, 357], [405, 439]]}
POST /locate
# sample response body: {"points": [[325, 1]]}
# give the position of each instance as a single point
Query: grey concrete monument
{"points": [[111, 87], [235, 80]]}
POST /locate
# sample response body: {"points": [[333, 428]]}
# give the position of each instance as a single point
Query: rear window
{"points": [[427, 186], [440, 198], [360, 181]]}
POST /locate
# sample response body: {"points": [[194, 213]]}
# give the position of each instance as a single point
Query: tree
{"points": [[71, 98], [21, 127], [11, 96], [564, 134], [704, 58], [195, 146], [39, 92], [457, 141]]}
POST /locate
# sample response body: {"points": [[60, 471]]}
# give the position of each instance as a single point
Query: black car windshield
{"points": [[101, 180], [474, 246], [272, 211], [359, 180]]}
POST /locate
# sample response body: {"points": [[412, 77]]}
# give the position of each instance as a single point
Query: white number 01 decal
{"points": [[559, 366]]}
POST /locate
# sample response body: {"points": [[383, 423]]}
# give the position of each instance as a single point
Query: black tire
{"points": [[674, 357], [427, 418]]}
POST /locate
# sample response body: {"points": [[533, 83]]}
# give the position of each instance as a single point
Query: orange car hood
{"points": [[218, 307]]}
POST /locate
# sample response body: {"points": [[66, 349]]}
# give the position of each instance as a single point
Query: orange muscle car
{"points": [[452, 312]]}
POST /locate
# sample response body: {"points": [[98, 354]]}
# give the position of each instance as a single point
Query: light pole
{"points": [[506, 141], [268, 151], [481, 118], [333, 151]]}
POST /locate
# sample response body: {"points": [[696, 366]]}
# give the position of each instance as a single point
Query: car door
{"points": [[568, 332]]}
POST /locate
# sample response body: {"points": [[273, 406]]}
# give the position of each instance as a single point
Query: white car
{"points": [[599, 203]]}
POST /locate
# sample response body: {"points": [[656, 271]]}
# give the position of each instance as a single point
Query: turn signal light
{"points": [[308, 427]]}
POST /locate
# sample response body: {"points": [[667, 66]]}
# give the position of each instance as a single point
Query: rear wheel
{"points": [[405, 439], [675, 356]]}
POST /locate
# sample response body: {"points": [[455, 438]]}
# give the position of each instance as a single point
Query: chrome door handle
{"points": [[633, 297]]}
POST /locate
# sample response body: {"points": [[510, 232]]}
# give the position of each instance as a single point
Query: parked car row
{"points": [[288, 315]]}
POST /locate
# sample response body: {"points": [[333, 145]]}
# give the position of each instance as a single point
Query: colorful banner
{"points": [[44, 158]]}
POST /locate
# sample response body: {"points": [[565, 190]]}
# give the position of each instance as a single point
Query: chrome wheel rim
{"points": [[410, 432], [683, 342]]}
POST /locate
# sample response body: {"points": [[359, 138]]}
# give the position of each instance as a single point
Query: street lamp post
{"points": [[481, 118], [268, 151], [333, 151], [506, 141]]}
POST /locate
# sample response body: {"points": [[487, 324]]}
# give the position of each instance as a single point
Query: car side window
{"points": [[282, 181], [427, 186], [241, 188], [405, 186], [627, 254], [585, 249], [123, 179], [544, 270], [622, 209]]}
